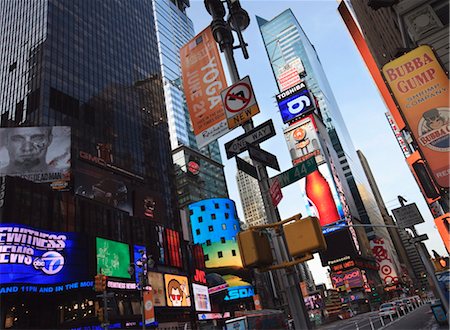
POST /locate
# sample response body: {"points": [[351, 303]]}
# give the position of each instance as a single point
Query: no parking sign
{"points": [[239, 102]]}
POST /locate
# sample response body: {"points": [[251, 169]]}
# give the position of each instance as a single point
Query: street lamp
{"points": [[143, 263]]}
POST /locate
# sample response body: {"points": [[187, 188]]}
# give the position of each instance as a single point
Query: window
{"points": [[191, 212], [227, 216], [233, 252], [197, 231], [200, 219], [206, 257], [216, 205], [208, 242], [222, 240], [210, 228], [202, 207], [213, 216], [234, 227], [220, 254], [224, 226], [227, 205]]}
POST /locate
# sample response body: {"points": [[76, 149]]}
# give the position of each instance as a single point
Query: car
{"points": [[387, 309]]}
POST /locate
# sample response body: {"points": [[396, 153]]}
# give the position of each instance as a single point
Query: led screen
{"points": [[177, 291], [137, 256], [39, 154], [339, 245], [157, 283], [201, 298], [35, 256], [294, 102], [113, 258]]}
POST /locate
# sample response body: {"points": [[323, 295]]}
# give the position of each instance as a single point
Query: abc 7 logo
{"points": [[50, 262], [298, 104]]}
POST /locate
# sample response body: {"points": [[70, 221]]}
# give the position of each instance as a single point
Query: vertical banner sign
{"points": [[203, 80], [420, 86], [149, 310]]}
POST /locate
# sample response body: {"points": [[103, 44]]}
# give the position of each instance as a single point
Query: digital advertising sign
{"points": [[294, 102], [238, 288], [137, 255], [386, 267], [38, 154], [201, 298], [148, 205], [34, 256], [177, 291], [113, 258], [340, 247], [157, 283], [351, 278]]}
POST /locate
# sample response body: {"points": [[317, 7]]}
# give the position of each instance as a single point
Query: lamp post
{"points": [[143, 263], [238, 20]]}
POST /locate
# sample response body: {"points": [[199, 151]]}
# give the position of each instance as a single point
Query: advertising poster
{"points": [[113, 258], [201, 298], [203, 80], [104, 187], [420, 87], [32, 256], [38, 154], [148, 205], [137, 255], [386, 268], [177, 291], [294, 102], [351, 278], [149, 309], [303, 142], [157, 283]]}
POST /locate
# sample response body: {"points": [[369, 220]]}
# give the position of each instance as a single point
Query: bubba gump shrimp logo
{"points": [[434, 129]]}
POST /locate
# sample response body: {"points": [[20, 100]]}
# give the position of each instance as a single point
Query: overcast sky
{"points": [[359, 101]]}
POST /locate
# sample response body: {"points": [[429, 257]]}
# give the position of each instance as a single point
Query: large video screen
{"points": [[177, 291], [339, 245], [38, 154], [113, 258]]}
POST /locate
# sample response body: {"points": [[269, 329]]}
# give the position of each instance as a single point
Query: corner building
{"points": [[81, 64]]}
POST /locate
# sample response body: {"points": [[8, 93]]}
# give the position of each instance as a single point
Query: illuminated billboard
{"points": [[350, 279], [157, 283], [386, 267], [420, 87], [303, 141], [38, 154], [113, 258], [201, 298], [237, 288], [177, 291], [148, 205], [33, 256], [103, 186], [294, 102], [340, 247]]}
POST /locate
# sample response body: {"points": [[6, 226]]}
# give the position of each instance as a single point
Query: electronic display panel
{"points": [[113, 258], [177, 291]]}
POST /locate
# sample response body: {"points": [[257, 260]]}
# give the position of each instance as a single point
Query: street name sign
{"points": [[263, 157], [257, 135], [296, 173], [239, 102], [247, 167], [407, 216]]}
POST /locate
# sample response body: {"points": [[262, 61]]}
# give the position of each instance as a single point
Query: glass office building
{"points": [[288, 47]]}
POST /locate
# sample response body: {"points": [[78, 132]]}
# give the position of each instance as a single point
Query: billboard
{"points": [[137, 255], [303, 141], [351, 278], [340, 247], [38, 154], [34, 256], [113, 258], [148, 205], [288, 78], [420, 87], [294, 102], [203, 80], [157, 284], [201, 298], [386, 268], [177, 291], [103, 186]]}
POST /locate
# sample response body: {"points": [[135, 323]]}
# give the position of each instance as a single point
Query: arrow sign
{"points": [[257, 135], [247, 168], [296, 173], [263, 157]]}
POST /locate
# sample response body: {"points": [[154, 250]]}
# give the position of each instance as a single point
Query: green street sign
{"points": [[296, 173]]}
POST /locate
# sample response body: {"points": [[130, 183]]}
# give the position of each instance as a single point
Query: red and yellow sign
{"points": [[442, 224], [149, 309], [203, 80], [420, 86]]}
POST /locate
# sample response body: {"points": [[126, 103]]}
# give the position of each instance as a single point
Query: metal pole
{"points": [[430, 270], [141, 283], [105, 310]]}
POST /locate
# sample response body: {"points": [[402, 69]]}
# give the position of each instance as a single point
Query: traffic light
{"points": [[101, 314], [254, 247], [304, 236], [100, 282], [104, 278]]}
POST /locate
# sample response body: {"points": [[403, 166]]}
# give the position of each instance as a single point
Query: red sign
{"points": [[288, 79], [349, 279], [275, 192], [149, 310]]}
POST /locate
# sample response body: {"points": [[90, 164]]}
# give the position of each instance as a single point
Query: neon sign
{"points": [[240, 292]]}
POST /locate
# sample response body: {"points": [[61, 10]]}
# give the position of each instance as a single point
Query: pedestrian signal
{"points": [[304, 236], [255, 250]]}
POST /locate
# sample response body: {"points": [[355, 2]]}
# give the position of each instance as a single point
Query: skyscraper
{"points": [[92, 67]]}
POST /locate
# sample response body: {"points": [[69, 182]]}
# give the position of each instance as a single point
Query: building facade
{"points": [[92, 67]]}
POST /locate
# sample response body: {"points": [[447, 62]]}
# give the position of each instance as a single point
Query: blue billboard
{"points": [[294, 102], [34, 256]]}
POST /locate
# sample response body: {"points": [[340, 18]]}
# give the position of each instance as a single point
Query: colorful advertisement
{"points": [[386, 268], [38, 154], [149, 310], [137, 255], [157, 284], [303, 142], [203, 80], [148, 205], [104, 187], [288, 78], [420, 86], [33, 256], [172, 239], [351, 278], [113, 258], [238, 288], [177, 291], [201, 298], [294, 102]]}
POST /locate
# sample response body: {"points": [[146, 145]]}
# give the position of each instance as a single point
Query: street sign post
{"points": [[296, 173], [257, 135], [239, 102], [407, 216], [247, 167], [264, 157]]}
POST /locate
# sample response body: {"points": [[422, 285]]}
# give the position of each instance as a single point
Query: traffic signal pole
{"points": [[288, 278]]}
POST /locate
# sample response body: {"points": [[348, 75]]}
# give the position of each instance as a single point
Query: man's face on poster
{"points": [[28, 145]]}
